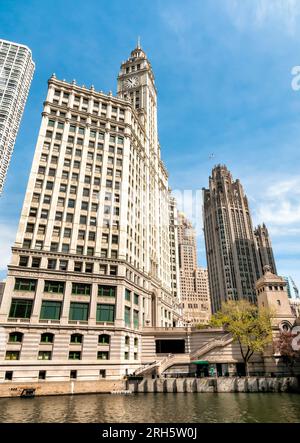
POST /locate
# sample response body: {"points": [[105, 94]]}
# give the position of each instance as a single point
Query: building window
{"points": [[127, 340], [73, 374], [51, 263], [135, 355], [63, 265], [127, 316], [79, 311], [107, 291], [8, 375], [50, 310], [47, 337], [126, 355], [113, 270], [20, 308], [81, 289], [102, 373], [127, 295], [136, 299], [136, 319], [105, 313], [76, 338], [136, 341], [36, 262], [78, 266], [23, 284], [74, 355], [103, 355], [23, 260], [15, 337], [89, 267], [42, 375], [44, 355], [104, 339], [12, 355], [57, 287]]}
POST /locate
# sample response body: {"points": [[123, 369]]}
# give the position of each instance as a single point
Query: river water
{"points": [[154, 408]]}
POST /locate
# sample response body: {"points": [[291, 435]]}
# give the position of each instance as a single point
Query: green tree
{"points": [[249, 326]]}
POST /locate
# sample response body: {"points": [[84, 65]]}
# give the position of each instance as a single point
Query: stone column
{"points": [[66, 303]]}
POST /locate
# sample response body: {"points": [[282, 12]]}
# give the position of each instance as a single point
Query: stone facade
{"points": [[91, 262], [193, 280]]}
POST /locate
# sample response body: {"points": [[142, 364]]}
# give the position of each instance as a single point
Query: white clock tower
{"points": [[136, 83]]}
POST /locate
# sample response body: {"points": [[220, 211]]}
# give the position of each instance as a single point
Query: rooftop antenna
{"points": [[139, 42]]}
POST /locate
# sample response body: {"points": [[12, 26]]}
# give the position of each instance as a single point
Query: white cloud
{"points": [[7, 238], [279, 205], [258, 13]]}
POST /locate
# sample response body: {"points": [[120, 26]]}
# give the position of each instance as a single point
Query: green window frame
{"points": [[76, 338], [50, 310], [79, 311], [136, 319], [15, 337], [127, 295], [20, 308], [47, 337], [74, 355], [127, 316], [105, 313], [81, 289], [45, 355], [104, 339], [25, 284], [103, 355], [136, 299], [107, 291], [12, 355], [56, 287]]}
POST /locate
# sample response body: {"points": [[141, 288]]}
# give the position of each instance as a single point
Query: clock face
{"points": [[131, 82]]}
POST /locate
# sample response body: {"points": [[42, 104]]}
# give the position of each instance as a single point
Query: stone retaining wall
{"points": [[62, 388], [220, 384]]}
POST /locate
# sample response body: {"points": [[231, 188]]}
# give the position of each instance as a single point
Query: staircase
{"points": [[211, 344]]}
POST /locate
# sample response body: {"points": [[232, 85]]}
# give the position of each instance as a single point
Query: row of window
{"points": [[42, 374], [73, 355], [87, 267], [58, 287], [51, 310], [48, 337]]}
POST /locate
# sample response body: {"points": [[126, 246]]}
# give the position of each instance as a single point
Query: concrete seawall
{"points": [[62, 388], [220, 384]]}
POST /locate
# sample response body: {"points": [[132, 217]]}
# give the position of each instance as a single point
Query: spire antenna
{"points": [[139, 42]]}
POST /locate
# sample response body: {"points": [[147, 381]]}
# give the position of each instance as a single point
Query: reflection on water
{"points": [[154, 408]]}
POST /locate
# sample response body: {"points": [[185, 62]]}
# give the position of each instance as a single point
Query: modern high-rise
{"points": [[264, 246], [91, 263], [16, 72], [193, 280], [232, 256]]}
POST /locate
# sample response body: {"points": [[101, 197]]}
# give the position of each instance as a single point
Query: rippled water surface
{"points": [[154, 408]]}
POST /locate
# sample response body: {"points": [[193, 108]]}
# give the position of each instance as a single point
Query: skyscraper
{"points": [[193, 280], [264, 246], [91, 261], [232, 256], [16, 72]]}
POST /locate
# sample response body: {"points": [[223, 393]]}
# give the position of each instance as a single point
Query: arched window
{"points": [[47, 337], [127, 340], [15, 337], [136, 341], [104, 339], [76, 338]]}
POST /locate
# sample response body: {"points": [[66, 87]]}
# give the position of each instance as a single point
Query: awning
{"points": [[200, 362]]}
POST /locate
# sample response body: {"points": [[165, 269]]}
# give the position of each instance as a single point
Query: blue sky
{"points": [[223, 74]]}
